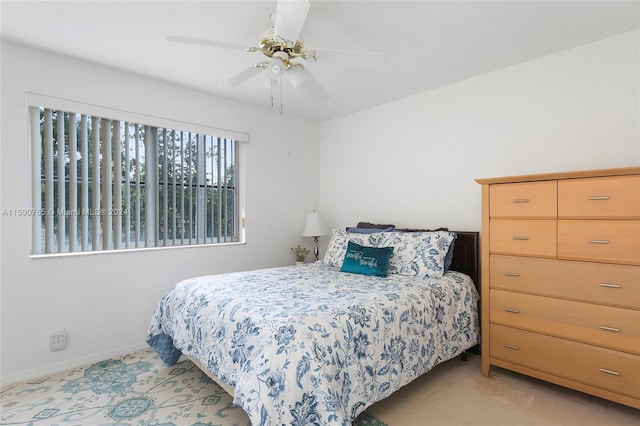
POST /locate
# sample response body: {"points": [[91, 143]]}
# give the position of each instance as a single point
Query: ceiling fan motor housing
{"points": [[270, 45]]}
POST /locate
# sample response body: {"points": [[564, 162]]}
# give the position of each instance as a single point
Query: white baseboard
{"points": [[47, 370]]}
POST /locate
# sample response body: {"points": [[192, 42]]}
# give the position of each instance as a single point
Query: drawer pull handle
{"points": [[521, 200], [598, 241], [615, 373], [514, 347], [610, 285], [512, 310], [520, 237], [512, 274], [599, 197], [604, 327]]}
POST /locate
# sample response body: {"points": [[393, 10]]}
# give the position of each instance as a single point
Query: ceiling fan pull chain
{"points": [[271, 90], [280, 97]]}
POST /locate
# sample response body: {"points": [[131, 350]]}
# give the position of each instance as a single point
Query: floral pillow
{"points": [[337, 248], [417, 253]]}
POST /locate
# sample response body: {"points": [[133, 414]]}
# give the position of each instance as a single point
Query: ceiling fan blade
{"points": [[290, 17], [210, 43], [300, 77], [366, 60], [242, 76]]}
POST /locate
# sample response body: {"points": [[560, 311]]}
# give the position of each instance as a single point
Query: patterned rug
{"points": [[136, 389]]}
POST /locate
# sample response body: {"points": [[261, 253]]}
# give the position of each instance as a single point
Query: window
{"points": [[104, 184]]}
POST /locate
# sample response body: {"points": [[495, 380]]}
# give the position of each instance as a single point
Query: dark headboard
{"points": [[466, 255], [466, 259]]}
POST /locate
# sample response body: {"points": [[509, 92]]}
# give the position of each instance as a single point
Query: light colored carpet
{"points": [[136, 389], [455, 394]]}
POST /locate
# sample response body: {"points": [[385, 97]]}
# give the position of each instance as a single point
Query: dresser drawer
{"points": [[616, 241], [608, 197], [523, 237], [614, 328], [604, 368], [527, 199], [584, 281]]}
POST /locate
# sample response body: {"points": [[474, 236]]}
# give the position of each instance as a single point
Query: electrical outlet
{"points": [[58, 340]]}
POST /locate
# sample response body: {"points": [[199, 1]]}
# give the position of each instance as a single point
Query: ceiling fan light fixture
{"points": [[278, 65], [276, 68]]}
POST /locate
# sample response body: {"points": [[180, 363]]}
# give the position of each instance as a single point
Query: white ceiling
{"points": [[427, 43]]}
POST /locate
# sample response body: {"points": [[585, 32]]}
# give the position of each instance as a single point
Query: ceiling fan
{"points": [[282, 44]]}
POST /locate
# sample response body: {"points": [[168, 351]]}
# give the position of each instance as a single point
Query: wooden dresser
{"points": [[561, 279]]}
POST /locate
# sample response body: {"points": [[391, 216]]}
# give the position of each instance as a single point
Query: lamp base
{"points": [[316, 251]]}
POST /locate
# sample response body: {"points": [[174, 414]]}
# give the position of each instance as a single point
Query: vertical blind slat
{"points": [[95, 182], [200, 188], [117, 185], [137, 195], [219, 192], [165, 187], [107, 199], [127, 186], [151, 168], [48, 180], [190, 181], [224, 193], [60, 176], [211, 188], [155, 173], [84, 172], [232, 184], [228, 192], [73, 181], [36, 181], [182, 178], [175, 189]]}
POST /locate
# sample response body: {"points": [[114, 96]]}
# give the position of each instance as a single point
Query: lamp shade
{"points": [[314, 227]]}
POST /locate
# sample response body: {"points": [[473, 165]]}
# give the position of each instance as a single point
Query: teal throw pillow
{"points": [[366, 260]]}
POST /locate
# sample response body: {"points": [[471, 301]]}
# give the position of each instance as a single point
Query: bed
{"points": [[317, 344]]}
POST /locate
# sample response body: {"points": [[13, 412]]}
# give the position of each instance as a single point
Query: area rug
{"points": [[136, 389]]}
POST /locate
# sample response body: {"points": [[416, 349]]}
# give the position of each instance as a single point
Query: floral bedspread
{"points": [[310, 345]]}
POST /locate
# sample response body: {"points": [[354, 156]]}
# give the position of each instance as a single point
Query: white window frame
{"points": [[36, 101]]}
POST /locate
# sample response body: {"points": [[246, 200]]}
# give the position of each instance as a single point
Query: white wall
{"points": [[106, 300], [413, 162]]}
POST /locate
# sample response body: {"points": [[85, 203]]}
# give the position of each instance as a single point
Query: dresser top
{"points": [[562, 175]]}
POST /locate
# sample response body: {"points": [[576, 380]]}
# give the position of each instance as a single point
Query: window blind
{"points": [[104, 184]]}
